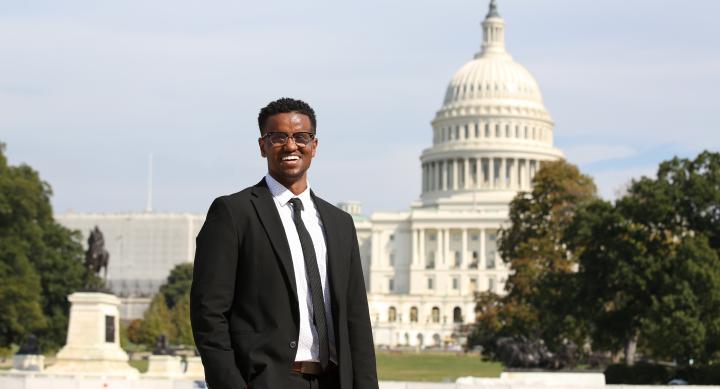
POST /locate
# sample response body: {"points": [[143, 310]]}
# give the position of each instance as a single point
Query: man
{"points": [[278, 298]]}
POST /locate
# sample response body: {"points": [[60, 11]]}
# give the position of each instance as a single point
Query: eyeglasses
{"points": [[301, 139]]}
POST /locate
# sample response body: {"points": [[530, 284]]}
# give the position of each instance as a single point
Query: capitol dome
{"points": [[492, 77], [491, 132]]}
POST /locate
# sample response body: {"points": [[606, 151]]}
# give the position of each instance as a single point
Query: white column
{"points": [[375, 262], [454, 174], [480, 173], [464, 248], [431, 179], [473, 177], [414, 246], [491, 172], [481, 263], [438, 175], [503, 173], [421, 256], [447, 246], [466, 180], [443, 174], [513, 173], [440, 247]]}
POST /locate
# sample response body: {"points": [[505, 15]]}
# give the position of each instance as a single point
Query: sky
{"points": [[89, 89]]}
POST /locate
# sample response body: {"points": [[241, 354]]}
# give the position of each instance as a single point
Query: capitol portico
{"points": [[488, 140]]}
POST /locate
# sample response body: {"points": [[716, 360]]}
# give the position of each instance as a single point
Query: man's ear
{"points": [[314, 149], [261, 143]]}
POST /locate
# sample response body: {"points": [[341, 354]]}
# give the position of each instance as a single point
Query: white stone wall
{"points": [[37, 381]]}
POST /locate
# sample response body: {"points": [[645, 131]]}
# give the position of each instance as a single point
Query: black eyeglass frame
{"points": [[287, 136]]}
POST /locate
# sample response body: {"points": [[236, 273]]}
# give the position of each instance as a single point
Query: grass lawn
{"points": [[435, 367], [140, 364]]}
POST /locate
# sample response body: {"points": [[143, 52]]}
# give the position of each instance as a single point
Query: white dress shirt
{"points": [[308, 342]]}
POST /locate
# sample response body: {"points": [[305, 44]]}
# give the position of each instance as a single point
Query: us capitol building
{"points": [[422, 267]]}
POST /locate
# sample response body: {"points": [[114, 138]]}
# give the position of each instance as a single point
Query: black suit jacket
{"points": [[243, 300]]}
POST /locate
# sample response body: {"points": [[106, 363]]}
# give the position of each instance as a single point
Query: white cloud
{"points": [[587, 154], [613, 183]]}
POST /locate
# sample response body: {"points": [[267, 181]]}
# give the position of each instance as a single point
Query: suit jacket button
{"points": [[293, 344]]}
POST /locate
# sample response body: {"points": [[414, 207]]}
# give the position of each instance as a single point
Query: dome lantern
{"points": [[493, 33], [492, 12]]}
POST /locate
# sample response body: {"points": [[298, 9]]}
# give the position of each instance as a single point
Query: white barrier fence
{"points": [[10, 380]]}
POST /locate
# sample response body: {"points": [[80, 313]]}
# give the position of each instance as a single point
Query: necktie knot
{"points": [[297, 207]]}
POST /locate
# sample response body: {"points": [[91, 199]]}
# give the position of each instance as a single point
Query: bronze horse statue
{"points": [[96, 257]]}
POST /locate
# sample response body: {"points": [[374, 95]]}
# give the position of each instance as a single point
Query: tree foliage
{"points": [[649, 274], [29, 234], [157, 321], [181, 320], [535, 306], [640, 274], [20, 306], [177, 284], [169, 311]]}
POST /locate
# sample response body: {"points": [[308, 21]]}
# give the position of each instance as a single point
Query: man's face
{"points": [[288, 163]]}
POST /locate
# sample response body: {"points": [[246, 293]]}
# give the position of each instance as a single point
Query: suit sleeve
{"points": [[211, 297], [359, 329]]}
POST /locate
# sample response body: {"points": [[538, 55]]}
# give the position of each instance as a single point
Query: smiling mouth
{"points": [[291, 158]]}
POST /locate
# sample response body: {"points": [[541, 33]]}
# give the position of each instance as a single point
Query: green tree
{"points": [[541, 283], [28, 230], [616, 267], [157, 321], [169, 311], [134, 329], [684, 320], [181, 320], [648, 271], [20, 309], [177, 284]]}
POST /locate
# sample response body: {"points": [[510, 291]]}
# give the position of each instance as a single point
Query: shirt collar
{"points": [[282, 195]]}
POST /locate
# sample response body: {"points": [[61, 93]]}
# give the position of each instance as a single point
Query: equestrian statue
{"points": [[96, 260]]}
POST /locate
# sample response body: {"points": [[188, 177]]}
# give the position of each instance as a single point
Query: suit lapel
{"points": [[336, 270], [267, 212]]}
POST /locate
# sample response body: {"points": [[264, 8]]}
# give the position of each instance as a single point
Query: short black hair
{"points": [[286, 105]]}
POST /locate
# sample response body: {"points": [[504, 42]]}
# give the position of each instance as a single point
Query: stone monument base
{"points": [[164, 366], [93, 339], [28, 362]]}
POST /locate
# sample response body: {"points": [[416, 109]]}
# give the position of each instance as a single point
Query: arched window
{"points": [[457, 315], [413, 314], [437, 340], [392, 314], [436, 315], [420, 339]]}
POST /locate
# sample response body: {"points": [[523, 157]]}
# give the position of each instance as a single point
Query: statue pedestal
{"points": [[164, 366], [28, 362], [93, 339]]}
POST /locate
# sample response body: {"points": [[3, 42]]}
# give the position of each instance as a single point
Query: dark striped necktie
{"points": [[313, 277]]}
